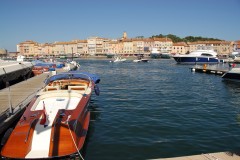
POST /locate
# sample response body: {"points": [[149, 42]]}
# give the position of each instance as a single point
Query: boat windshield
{"points": [[74, 75], [206, 54]]}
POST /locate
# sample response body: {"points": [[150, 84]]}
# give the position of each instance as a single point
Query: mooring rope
{"points": [[73, 138]]}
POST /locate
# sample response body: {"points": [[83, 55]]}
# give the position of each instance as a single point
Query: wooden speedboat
{"points": [[39, 70], [55, 123]]}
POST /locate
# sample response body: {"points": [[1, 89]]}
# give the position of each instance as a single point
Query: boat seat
{"points": [[52, 88], [79, 88]]}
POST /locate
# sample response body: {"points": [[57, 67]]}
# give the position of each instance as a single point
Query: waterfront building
{"points": [[65, 48], [120, 47], [47, 49], [124, 46], [82, 48], [180, 48], [236, 46], [95, 46], [127, 47], [221, 47], [138, 45], [29, 48], [148, 45], [113, 47], [163, 44], [105, 47]]}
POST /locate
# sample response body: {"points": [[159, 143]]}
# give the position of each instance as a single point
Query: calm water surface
{"points": [[160, 109]]}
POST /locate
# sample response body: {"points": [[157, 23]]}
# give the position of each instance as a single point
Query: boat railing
{"points": [[19, 106]]}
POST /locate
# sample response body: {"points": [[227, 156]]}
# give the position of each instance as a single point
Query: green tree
{"points": [[175, 38]]}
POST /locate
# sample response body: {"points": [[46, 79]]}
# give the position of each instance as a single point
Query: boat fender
{"points": [[6, 136], [96, 89]]}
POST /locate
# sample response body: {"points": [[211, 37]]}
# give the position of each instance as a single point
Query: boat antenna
{"points": [[9, 98]]}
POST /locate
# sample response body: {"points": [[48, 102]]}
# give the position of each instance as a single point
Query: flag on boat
{"points": [[44, 116]]}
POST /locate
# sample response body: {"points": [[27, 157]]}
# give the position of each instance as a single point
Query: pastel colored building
{"points": [[97, 46], [180, 48]]}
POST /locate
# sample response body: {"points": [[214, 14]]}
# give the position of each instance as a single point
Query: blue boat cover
{"points": [[74, 75], [41, 63]]}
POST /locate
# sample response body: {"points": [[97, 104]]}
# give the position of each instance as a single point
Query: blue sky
{"points": [[64, 20]]}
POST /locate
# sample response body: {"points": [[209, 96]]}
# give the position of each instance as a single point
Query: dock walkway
{"points": [[207, 156], [18, 96], [208, 71]]}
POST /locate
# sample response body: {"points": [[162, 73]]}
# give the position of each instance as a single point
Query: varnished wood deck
{"points": [[207, 156]]}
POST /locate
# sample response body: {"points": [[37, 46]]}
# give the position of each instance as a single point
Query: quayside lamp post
{"points": [[72, 53]]}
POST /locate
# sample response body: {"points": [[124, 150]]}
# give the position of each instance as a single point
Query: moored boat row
{"points": [[40, 66]]}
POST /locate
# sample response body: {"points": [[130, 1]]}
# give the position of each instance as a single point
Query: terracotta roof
{"points": [[28, 42], [80, 41], [237, 42], [180, 44], [113, 42], [63, 43], [47, 44], [209, 42], [162, 39]]}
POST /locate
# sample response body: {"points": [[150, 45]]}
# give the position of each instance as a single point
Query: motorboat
{"points": [[71, 65], [41, 67], [155, 54], [165, 55], [232, 74], [12, 71], [118, 59], [110, 55], [198, 57], [55, 123], [236, 56], [140, 59]]}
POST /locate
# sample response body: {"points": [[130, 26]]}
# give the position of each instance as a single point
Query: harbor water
{"points": [[160, 109]]}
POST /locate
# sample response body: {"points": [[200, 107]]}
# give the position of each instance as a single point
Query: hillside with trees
{"points": [[175, 38]]}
